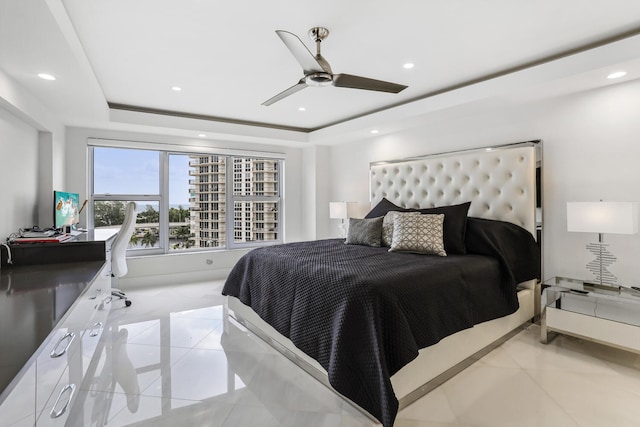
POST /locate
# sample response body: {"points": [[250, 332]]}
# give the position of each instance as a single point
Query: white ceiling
{"points": [[227, 58]]}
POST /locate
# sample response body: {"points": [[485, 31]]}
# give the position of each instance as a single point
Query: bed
{"points": [[384, 325]]}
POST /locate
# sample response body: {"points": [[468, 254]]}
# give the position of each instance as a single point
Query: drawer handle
{"points": [[56, 414], [96, 329], [68, 336], [103, 303], [94, 296]]}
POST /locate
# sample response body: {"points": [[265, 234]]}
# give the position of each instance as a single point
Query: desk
{"points": [[38, 289]]}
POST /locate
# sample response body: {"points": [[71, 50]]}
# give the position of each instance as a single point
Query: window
{"points": [[182, 198], [121, 176], [260, 200]]}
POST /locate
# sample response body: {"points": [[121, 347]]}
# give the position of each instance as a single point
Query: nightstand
{"points": [[600, 313]]}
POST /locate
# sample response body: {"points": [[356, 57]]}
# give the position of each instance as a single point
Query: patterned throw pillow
{"points": [[364, 232], [387, 226], [418, 233]]}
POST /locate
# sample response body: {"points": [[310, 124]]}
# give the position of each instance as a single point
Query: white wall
{"points": [[197, 265], [51, 172], [18, 174], [315, 194], [591, 151], [31, 156]]}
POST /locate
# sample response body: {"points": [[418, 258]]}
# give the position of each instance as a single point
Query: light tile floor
{"points": [[166, 361]]}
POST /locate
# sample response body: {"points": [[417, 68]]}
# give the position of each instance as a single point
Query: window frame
{"points": [[163, 198]]}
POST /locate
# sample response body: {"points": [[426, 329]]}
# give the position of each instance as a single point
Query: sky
{"points": [[126, 171]]}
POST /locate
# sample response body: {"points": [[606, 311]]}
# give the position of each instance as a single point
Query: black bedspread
{"points": [[364, 312]]}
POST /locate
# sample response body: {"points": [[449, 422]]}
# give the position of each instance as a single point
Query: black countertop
{"points": [[87, 246], [33, 299]]}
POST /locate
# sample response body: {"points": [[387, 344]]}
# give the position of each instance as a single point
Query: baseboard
{"points": [[140, 282]]}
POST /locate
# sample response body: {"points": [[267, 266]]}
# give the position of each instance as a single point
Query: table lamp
{"points": [[339, 210], [602, 217]]}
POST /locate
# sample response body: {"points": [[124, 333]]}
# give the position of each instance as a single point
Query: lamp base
{"points": [[343, 229], [599, 265]]}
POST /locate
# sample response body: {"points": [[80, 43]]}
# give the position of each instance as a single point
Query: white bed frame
{"points": [[500, 182]]}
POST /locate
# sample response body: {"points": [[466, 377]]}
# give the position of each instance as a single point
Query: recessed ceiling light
{"points": [[202, 135], [409, 65], [302, 109], [617, 75], [45, 76], [176, 88], [374, 131]]}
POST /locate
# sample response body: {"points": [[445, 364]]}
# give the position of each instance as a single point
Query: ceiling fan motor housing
{"points": [[318, 79]]}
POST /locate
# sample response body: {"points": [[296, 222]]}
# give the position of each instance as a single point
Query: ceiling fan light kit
{"points": [[317, 71]]}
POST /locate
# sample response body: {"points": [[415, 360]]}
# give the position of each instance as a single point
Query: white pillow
{"points": [[421, 234]]}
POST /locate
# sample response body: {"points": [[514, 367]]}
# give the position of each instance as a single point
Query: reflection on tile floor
{"points": [[167, 361]]}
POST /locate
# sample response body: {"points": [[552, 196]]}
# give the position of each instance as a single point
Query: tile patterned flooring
{"points": [[171, 364]]}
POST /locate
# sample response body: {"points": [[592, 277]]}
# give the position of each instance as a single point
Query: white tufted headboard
{"points": [[499, 181]]}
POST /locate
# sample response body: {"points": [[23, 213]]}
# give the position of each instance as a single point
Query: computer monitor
{"points": [[66, 209]]}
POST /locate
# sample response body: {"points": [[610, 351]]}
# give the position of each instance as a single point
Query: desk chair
{"points": [[119, 250]]}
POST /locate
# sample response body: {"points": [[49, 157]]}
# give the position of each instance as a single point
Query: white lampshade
{"points": [[603, 217], [338, 210]]}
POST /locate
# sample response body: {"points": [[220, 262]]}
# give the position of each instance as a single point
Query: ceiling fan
{"points": [[317, 71]]}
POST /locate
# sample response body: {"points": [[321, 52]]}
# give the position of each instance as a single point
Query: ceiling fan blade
{"points": [[293, 89], [357, 82], [302, 54]]}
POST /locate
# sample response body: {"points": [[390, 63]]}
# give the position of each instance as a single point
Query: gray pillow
{"points": [[367, 232]]}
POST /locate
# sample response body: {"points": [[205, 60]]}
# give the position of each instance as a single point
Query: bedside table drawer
{"points": [[604, 331]]}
